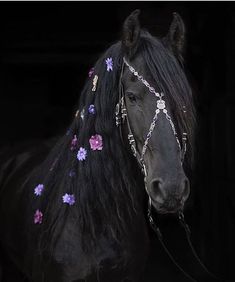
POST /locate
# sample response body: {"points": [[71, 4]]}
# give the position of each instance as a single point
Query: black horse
{"points": [[77, 212]]}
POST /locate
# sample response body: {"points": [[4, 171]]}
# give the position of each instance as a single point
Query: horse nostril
{"points": [[186, 190], [162, 193], [156, 191]]}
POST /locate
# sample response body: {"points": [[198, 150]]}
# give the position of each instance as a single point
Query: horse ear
{"points": [[131, 33], [176, 36]]}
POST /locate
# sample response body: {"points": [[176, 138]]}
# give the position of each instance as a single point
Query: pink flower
{"points": [[74, 143], [96, 142], [38, 217], [91, 71]]}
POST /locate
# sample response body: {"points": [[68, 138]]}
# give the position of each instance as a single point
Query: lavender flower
{"points": [[38, 189], [91, 109], [68, 199], [82, 153], [109, 64], [38, 217], [68, 132], [71, 173]]}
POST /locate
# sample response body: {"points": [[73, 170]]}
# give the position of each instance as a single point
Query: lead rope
{"points": [[188, 235], [157, 230]]}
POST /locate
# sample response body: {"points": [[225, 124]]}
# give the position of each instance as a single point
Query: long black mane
{"points": [[106, 187]]}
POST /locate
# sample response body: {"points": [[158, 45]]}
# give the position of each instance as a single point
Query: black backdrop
{"points": [[47, 49]]}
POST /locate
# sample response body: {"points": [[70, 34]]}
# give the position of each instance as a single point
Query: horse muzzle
{"points": [[168, 197]]}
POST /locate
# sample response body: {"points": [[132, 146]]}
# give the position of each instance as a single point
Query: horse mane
{"points": [[106, 187]]}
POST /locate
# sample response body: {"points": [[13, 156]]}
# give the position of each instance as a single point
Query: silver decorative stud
{"points": [[117, 115], [161, 104], [77, 113], [82, 114], [184, 136]]}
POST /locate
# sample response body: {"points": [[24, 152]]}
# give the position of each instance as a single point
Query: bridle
{"points": [[121, 116]]}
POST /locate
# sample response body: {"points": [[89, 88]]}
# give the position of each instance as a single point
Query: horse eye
{"points": [[132, 98]]}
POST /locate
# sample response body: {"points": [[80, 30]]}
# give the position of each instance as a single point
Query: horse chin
{"points": [[164, 210]]}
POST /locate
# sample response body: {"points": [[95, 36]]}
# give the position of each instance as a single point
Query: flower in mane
{"points": [[38, 217], [68, 199], [82, 154], [109, 64], [96, 142], [38, 189], [74, 143], [91, 71], [72, 173], [91, 109]]}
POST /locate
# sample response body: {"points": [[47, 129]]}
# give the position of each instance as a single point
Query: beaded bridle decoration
{"points": [[121, 116]]}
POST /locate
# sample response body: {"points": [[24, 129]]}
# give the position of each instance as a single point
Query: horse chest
{"points": [[107, 263]]}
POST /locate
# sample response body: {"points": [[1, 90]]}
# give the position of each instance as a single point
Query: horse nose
{"points": [[161, 191]]}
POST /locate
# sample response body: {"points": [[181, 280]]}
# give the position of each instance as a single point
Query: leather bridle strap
{"points": [[157, 231], [122, 117], [188, 235]]}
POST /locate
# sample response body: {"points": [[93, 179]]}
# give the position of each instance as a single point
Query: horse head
{"points": [[155, 102]]}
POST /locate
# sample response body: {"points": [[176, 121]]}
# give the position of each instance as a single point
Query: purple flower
{"points": [[109, 64], [91, 71], [91, 109], [74, 143], [96, 142], [38, 217], [82, 153], [68, 199], [39, 189], [71, 173]]}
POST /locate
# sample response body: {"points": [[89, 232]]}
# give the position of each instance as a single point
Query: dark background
{"points": [[47, 49]]}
